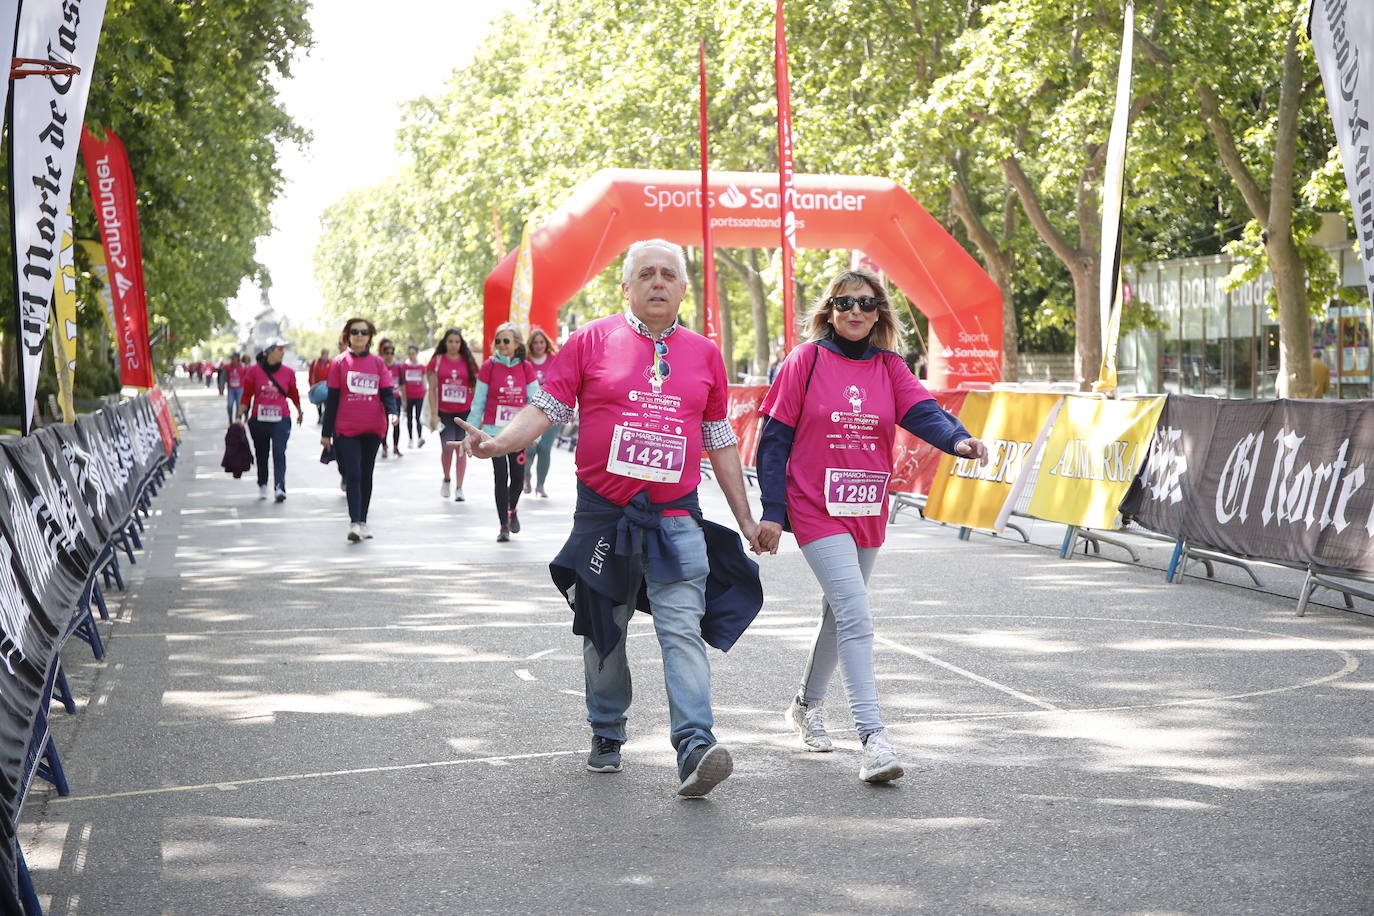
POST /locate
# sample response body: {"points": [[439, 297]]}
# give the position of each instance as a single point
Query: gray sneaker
{"points": [[704, 769], [809, 722], [880, 763], [605, 755]]}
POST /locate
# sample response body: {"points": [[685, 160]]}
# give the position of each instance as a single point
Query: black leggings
{"points": [[414, 425], [509, 471], [395, 437], [357, 456]]}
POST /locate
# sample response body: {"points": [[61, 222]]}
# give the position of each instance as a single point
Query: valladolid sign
{"points": [[617, 207]]}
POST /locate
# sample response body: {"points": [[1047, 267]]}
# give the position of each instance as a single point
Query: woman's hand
{"points": [[766, 538], [433, 422], [327, 441], [393, 419], [972, 448]]}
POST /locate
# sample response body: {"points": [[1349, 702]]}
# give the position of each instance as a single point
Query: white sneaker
{"points": [[458, 495], [262, 492], [444, 490], [809, 723], [355, 532], [880, 763], [367, 533], [410, 443]]}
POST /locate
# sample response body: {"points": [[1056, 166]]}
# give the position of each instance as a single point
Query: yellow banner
{"points": [[95, 254], [522, 289], [1094, 451], [64, 322], [1014, 426]]}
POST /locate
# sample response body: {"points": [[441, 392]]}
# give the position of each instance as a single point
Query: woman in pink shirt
{"points": [[413, 375], [539, 456], [452, 376], [361, 405], [269, 389], [386, 349], [505, 384], [825, 456]]}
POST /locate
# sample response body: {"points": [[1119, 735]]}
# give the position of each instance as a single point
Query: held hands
{"points": [[972, 448], [767, 536]]}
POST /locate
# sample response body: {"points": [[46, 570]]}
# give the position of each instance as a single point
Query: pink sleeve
{"points": [[291, 393], [335, 374], [718, 399], [385, 379], [433, 362], [784, 399], [907, 390], [484, 373], [563, 376]]}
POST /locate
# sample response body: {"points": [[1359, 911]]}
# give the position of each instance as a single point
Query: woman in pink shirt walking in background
{"points": [[361, 405], [824, 460], [452, 376], [269, 390], [413, 376], [539, 456], [505, 384], [386, 349]]}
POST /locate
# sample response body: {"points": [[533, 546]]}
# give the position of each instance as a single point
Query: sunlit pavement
{"points": [[287, 723]]}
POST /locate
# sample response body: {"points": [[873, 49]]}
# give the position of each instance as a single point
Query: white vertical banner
{"points": [[1113, 194], [1342, 33], [46, 114], [9, 19]]}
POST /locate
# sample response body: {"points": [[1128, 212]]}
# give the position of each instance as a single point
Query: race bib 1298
{"points": [[852, 492], [646, 455]]}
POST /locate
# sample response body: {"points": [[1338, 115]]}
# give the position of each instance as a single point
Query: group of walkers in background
{"points": [[361, 394]]}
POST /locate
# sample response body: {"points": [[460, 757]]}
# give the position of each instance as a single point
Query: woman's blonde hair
{"points": [[514, 331], [886, 333]]}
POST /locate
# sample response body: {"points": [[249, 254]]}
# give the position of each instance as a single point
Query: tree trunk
{"points": [[694, 273], [1295, 325], [760, 303], [727, 335], [1011, 372], [1087, 332]]}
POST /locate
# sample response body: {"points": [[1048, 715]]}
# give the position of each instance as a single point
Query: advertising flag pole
{"points": [[710, 304]]}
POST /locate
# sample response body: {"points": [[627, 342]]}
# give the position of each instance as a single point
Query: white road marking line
{"points": [[924, 656], [295, 777], [541, 654], [422, 627], [524, 674], [575, 693]]}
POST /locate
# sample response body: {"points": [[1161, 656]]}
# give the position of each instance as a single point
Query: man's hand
{"points": [[477, 444], [972, 448], [767, 537]]}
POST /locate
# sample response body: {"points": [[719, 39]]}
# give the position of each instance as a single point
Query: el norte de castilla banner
{"points": [[1281, 480], [45, 128]]}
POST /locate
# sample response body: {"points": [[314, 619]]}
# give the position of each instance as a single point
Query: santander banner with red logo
{"points": [[112, 192], [617, 207]]}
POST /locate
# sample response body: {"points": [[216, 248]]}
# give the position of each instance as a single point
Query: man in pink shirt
{"points": [[651, 396]]}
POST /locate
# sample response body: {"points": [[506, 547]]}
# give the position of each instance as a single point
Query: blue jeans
{"points": [[232, 402], [677, 611], [273, 434]]}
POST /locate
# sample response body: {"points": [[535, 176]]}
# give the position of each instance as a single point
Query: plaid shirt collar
{"points": [[642, 328]]}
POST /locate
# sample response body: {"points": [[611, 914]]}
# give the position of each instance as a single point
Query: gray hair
{"points": [[627, 271]]}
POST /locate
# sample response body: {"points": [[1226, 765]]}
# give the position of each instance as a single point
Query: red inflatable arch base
{"points": [[617, 207]]}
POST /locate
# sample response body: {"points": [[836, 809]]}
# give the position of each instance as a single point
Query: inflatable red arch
{"points": [[617, 207]]}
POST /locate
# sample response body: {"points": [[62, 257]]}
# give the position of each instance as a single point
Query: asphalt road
{"points": [[287, 723]]}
